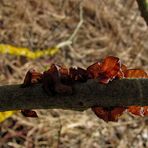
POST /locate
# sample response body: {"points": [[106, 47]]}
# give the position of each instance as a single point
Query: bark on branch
{"points": [[123, 92]]}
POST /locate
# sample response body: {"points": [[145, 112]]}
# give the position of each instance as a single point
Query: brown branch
{"points": [[143, 7], [123, 92]]}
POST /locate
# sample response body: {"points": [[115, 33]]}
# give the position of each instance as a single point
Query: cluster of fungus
{"points": [[59, 80]]}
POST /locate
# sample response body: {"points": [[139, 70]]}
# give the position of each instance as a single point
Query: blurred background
{"points": [[96, 29]]}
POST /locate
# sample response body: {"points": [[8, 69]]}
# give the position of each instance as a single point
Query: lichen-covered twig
{"points": [[143, 7], [124, 92]]}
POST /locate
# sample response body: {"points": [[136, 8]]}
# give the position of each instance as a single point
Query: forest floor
{"points": [[106, 28]]}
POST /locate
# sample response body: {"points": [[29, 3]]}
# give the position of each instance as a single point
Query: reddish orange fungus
{"points": [[59, 79], [29, 113]]}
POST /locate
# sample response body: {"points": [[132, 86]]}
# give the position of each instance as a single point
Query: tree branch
{"points": [[123, 92], [143, 7]]}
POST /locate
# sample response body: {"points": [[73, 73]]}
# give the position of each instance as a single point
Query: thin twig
{"points": [[143, 7], [71, 38]]}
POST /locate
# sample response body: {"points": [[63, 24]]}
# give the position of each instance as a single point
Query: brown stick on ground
{"points": [[122, 92]]}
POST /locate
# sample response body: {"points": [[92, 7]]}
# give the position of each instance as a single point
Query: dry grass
{"points": [[109, 28]]}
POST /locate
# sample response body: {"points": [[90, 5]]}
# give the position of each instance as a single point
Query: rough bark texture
{"points": [[123, 92]]}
